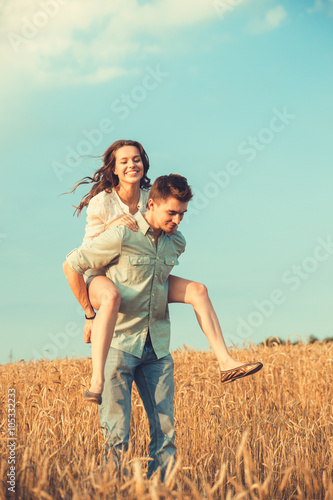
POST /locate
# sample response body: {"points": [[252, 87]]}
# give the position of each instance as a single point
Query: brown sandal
{"points": [[240, 372], [93, 397]]}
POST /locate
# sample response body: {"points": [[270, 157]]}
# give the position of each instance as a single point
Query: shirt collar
{"points": [[142, 223], [142, 200]]}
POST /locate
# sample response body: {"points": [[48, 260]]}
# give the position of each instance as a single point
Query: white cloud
{"points": [[71, 41], [272, 20], [318, 5], [322, 6]]}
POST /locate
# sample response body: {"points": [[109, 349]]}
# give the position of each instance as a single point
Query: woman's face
{"points": [[128, 166]]}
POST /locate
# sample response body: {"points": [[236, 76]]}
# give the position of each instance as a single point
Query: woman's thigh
{"points": [[178, 289], [186, 291], [99, 287]]}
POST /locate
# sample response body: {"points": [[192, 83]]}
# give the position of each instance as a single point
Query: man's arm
{"points": [[94, 253], [179, 242], [79, 289]]}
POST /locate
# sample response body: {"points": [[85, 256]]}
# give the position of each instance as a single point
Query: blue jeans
{"points": [[155, 384]]}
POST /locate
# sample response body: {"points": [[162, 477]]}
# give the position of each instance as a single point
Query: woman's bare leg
{"points": [[105, 297], [196, 294]]}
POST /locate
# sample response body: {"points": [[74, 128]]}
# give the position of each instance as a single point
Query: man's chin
{"points": [[171, 231]]}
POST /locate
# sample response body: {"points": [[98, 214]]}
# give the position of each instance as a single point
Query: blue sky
{"points": [[235, 95]]}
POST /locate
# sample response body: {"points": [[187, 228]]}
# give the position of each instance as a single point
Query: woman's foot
{"points": [[93, 397], [94, 394], [96, 386]]}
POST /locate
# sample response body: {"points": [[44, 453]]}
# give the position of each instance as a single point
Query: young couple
{"points": [[131, 244]]}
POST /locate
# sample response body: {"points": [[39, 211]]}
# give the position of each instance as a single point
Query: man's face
{"points": [[167, 214]]}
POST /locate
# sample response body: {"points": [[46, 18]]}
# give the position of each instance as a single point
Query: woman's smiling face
{"points": [[129, 166]]}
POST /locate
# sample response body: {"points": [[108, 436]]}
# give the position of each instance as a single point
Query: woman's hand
{"points": [[124, 220], [87, 330]]}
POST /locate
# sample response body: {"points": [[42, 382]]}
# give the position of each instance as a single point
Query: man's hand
{"points": [[87, 330]]}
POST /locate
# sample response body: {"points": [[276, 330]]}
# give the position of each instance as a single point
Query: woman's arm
{"points": [[96, 217]]}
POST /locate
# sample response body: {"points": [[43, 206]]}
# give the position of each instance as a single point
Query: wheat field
{"points": [[269, 436]]}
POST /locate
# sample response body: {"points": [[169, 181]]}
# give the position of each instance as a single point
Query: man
{"points": [[139, 264]]}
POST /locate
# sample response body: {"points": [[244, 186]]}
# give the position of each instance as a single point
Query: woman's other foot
{"points": [[240, 372], [230, 364]]}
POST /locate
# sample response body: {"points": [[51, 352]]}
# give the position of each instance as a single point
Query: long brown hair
{"points": [[105, 179]]}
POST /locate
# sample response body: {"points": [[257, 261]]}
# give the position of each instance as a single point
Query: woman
{"points": [[120, 189]]}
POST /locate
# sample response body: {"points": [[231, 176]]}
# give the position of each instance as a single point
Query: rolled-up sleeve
{"points": [[96, 252]]}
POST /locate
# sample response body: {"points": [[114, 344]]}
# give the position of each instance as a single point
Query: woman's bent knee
{"points": [[110, 296], [103, 291], [197, 292]]}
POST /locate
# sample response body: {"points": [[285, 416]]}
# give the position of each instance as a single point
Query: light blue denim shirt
{"points": [[140, 272]]}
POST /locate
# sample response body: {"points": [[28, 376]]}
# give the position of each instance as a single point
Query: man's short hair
{"points": [[173, 185]]}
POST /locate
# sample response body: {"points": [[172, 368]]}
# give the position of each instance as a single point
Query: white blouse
{"points": [[107, 207], [103, 209]]}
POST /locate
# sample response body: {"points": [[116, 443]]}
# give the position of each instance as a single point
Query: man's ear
{"points": [[150, 204]]}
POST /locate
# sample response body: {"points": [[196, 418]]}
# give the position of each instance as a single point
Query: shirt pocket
{"points": [[138, 268], [168, 263]]}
